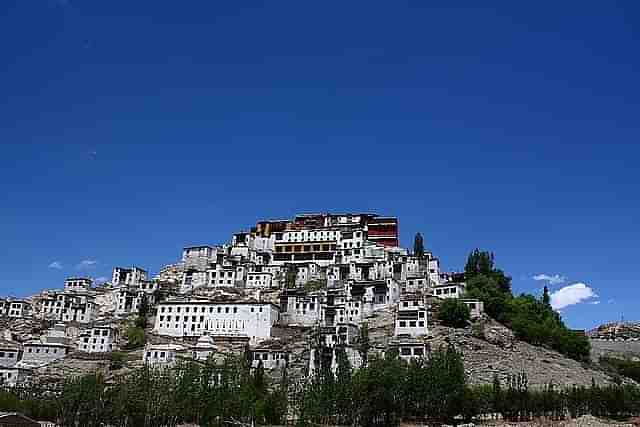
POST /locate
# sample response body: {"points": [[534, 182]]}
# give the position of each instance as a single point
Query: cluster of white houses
{"points": [[332, 271]]}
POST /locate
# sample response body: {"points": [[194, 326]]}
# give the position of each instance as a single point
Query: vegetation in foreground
{"points": [[384, 392]]}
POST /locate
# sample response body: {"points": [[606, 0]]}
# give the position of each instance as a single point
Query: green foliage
{"points": [[532, 320], [116, 360], [546, 298], [487, 290], [363, 343], [454, 313], [290, 276], [624, 367], [136, 337], [315, 285], [384, 393], [418, 246], [143, 307]]}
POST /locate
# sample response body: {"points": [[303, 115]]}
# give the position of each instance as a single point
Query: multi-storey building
{"points": [[9, 354], [411, 317], [15, 308], [78, 284], [194, 317], [128, 276], [67, 306], [99, 339]]}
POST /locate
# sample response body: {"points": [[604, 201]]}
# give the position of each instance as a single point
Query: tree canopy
{"points": [[532, 319]]}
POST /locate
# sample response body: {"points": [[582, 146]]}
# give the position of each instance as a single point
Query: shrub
{"points": [[454, 313], [135, 337]]}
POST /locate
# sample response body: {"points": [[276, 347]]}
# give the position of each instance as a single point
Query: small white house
{"points": [[17, 308], [160, 354], [261, 279], [13, 376], [39, 352], [449, 290], [99, 339], [270, 358], [476, 307], [409, 348], [75, 284], [9, 354]]}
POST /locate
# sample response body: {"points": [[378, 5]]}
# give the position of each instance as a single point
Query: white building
{"points": [[476, 307], [260, 279], [128, 300], [300, 308], [12, 376], [160, 354], [353, 356], [68, 307], [9, 354], [16, 308], [194, 317], [128, 276], [99, 339], [271, 358], [221, 276], [200, 256], [449, 290], [40, 353], [75, 284], [409, 348], [411, 317]]}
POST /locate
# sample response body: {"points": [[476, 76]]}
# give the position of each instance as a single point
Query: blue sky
{"points": [[131, 129]]}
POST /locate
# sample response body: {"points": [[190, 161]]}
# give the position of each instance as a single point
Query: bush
{"points": [[117, 360], [627, 368], [135, 337], [454, 313]]}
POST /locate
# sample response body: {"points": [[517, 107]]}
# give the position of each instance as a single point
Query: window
{"points": [[405, 351], [402, 324]]}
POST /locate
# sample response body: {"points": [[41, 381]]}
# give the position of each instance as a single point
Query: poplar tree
{"points": [[418, 246]]}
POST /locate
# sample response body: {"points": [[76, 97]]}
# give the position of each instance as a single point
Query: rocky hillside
{"points": [[489, 348]]}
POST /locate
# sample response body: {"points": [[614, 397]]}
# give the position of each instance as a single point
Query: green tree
{"points": [[454, 313], [418, 246], [290, 276], [363, 343], [546, 299], [135, 337]]}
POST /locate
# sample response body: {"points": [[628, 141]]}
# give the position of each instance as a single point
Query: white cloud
{"points": [[100, 280], [86, 264], [570, 295], [56, 265], [595, 303], [556, 279]]}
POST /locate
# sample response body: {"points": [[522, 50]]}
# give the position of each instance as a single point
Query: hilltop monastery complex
{"points": [[328, 273]]}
